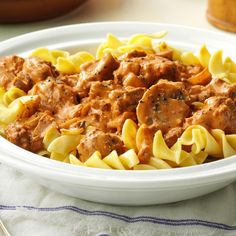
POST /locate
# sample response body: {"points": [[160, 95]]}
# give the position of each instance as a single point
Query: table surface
{"points": [[185, 12]]}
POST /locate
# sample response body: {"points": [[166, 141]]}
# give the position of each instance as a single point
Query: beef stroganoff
{"points": [[139, 104]]}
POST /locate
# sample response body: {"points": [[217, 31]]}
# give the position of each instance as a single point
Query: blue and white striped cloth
{"points": [[29, 209]]}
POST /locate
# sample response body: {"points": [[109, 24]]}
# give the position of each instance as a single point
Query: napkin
{"points": [[27, 208]]}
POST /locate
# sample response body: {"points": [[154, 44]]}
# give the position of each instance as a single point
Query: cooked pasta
{"points": [[138, 104], [63, 61], [204, 56], [141, 42], [13, 104], [60, 147], [12, 94], [225, 70], [201, 141], [114, 161]]}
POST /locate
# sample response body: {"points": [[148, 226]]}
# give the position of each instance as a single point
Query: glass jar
{"points": [[222, 14]]}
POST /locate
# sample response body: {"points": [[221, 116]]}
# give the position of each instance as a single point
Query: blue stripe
{"points": [[127, 219], [103, 234]]}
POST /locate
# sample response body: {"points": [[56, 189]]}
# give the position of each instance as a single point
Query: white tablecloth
{"points": [[29, 209]]}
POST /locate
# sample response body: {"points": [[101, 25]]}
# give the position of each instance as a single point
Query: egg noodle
{"points": [[62, 144]]}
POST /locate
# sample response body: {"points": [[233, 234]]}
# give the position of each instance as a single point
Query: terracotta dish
{"points": [[16, 11]]}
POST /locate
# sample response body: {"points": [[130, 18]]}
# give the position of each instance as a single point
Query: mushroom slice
{"points": [[163, 105]]}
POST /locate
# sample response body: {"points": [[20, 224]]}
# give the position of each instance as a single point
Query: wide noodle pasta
{"points": [[193, 146], [13, 104]]}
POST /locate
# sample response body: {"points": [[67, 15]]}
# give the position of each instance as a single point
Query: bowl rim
{"points": [[35, 164], [45, 34]]}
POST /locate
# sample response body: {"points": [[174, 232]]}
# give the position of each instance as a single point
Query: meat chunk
{"points": [[135, 53], [28, 133], [34, 70], [219, 87], [124, 102], [146, 70], [109, 105], [96, 113], [37, 70], [10, 66], [197, 93], [172, 135], [70, 80], [163, 106], [96, 71], [217, 113], [167, 54], [95, 110], [102, 89], [132, 54], [187, 71], [144, 141], [23, 83], [125, 99], [24, 73], [56, 97], [96, 140]]}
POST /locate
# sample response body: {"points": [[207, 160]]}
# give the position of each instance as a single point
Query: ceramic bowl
{"points": [[16, 11], [117, 186]]}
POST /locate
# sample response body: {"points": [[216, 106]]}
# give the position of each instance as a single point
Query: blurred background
{"points": [[185, 12]]}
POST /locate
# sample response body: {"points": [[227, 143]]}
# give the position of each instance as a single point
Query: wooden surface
{"points": [[222, 14]]}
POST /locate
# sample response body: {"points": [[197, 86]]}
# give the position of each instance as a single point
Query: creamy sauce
{"points": [[152, 90]]}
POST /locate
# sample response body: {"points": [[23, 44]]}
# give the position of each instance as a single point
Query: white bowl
{"points": [[115, 186]]}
